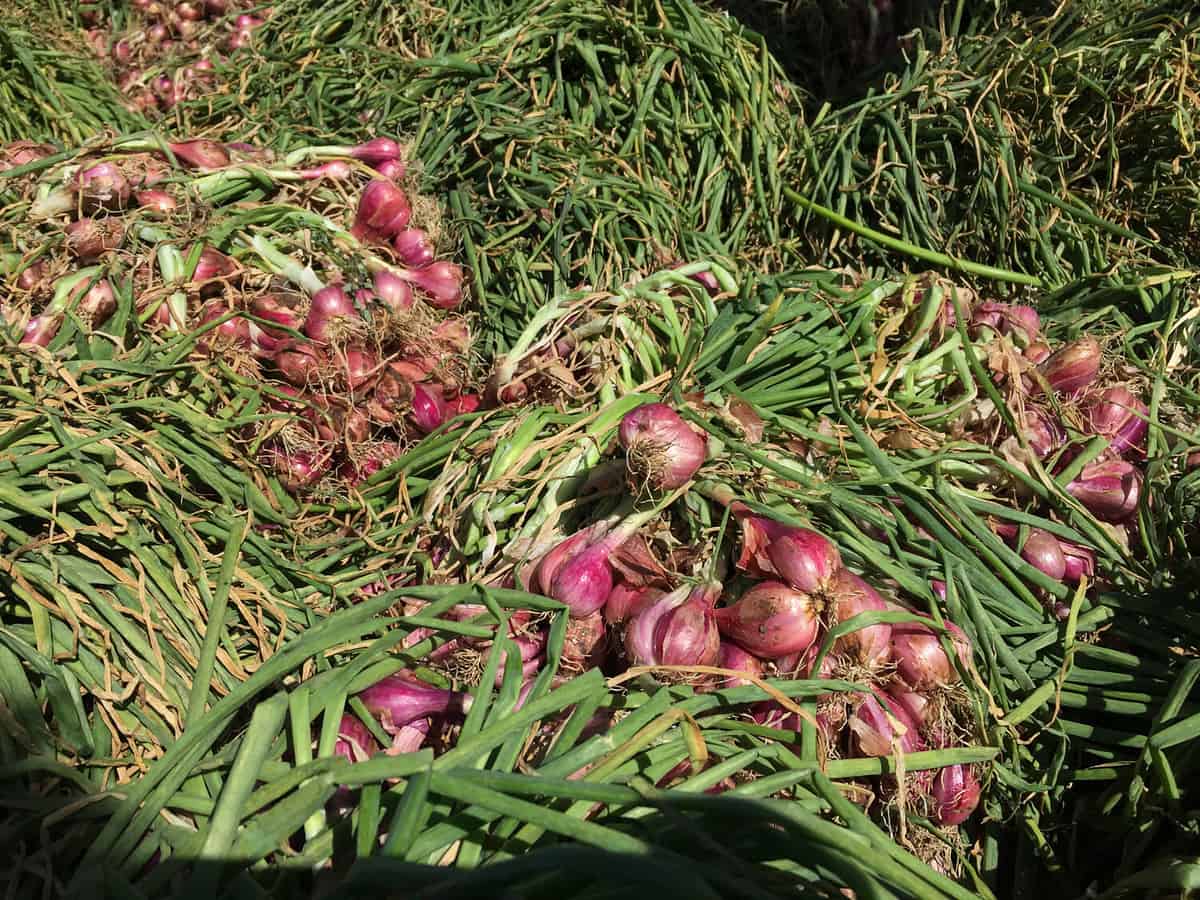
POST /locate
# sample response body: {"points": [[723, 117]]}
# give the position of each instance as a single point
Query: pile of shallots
{"points": [[1081, 423], [367, 357], [770, 619], [166, 51]]}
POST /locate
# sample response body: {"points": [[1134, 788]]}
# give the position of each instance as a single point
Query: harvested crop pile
{"points": [[695, 462]]}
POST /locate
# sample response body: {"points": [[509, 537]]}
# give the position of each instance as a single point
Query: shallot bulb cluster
{"points": [[167, 52], [373, 359]]}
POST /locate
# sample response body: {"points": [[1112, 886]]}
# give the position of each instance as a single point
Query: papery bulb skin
{"points": [[402, 698], [233, 332], [213, 265], [625, 600], [1080, 562], [354, 741], [452, 336], [297, 471], [281, 307], [393, 169], [640, 627], [156, 203], [585, 644], [300, 363], [1109, 488], [1072, 368], [549, 564], [1042, 431], [771, 620], [103, 186], [1120, 415], [96, 303], [955, 795], [31, 276], [1043, 551], [1037, 352], [40, 331], [88, 239], [440, 283], [805, 559], [1022, 323], [662, 452], [850, 595], [873, 728], [361, 368]]}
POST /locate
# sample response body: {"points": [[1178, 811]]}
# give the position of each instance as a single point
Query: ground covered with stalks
{"points": [[556, 448]]}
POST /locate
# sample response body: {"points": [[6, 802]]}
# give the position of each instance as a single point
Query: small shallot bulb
{"points": [[805, 559], [1072, 368], [299, 362], [383, 211], [1120, 415], [376, 151], [955, 794], [201, 154], [414, 248], [392, 168], [1042, 431], [870, 645], [103, 186], [393, 290], [429, 409], [1022, 323], [662, 452], [441, 283], [362, 367], [88, 239], [921, 663], [771, 620], [680, 629], [232, 332], [211, 265], [298, 470], [40, 331], [1081, 562], [732, 657], [401, 698], [1109, 488], [31, 276], [330, 307], [881, 729], [155, 202], [1043, 551]]}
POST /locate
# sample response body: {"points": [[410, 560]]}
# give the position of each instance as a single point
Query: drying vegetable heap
{"points": [[166, 52], [1066, 414], [355, 363], [789, 610]]}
